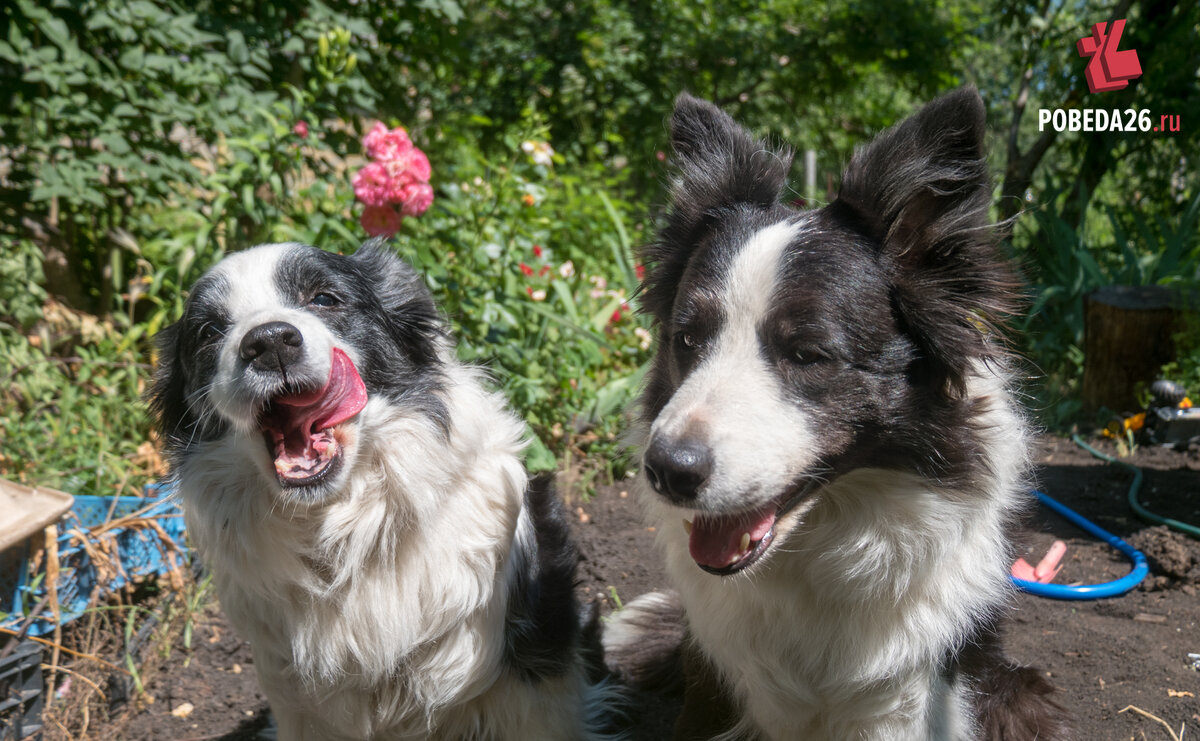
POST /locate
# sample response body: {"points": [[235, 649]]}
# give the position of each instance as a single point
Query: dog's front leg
{"points": [[708, 708]]}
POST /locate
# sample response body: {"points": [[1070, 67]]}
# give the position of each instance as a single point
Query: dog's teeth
{"points": [[687, 526], [745, 545]]}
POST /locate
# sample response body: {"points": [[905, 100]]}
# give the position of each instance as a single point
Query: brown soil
{"points": [[1102, 655]]}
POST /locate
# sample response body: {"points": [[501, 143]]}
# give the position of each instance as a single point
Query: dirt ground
{"points": [[1102, 655]]}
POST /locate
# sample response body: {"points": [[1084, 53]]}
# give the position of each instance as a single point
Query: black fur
{"points": [[187, 355], [654, 662], [1011, 701], [543, 627]]}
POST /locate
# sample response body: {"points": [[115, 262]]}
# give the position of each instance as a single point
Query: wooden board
{"points": [[25, 511]]}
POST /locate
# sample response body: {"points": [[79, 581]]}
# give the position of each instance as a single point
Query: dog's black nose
{"points": [[272, 346], [677, 468]]}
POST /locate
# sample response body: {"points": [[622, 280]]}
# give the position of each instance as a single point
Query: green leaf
{"points": [[601, 318], [56, 32], [236, 47], [538, 457], [132, 58]]}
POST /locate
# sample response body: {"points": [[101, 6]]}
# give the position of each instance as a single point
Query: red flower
{"points": [[616, 317], [528, 271], [537, 250], [544, 271], [380, 221], [301, 129], [640, 271]]}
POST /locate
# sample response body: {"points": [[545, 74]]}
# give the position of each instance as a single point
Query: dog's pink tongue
{"points": [[343, 396], [717, 542]]}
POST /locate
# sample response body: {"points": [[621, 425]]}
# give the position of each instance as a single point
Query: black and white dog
{"points": [[359, 497], [832, 451]]}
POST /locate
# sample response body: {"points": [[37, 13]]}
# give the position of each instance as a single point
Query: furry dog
{"points": [[359, 498], [832, 452]]}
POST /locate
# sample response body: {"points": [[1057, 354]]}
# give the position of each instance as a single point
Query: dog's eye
{"points": [[209, 331], [324, 299], [688, 341], [807, 355]]}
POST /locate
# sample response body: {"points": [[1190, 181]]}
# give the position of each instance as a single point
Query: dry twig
{"points": [[1152, 716], [64, 649]]}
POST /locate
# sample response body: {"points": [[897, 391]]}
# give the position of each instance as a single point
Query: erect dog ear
{"points": [[921, 191], [718, 165], [410, 313]]}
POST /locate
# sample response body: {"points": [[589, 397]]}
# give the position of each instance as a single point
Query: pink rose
{"points": [[383, 143], [397, 175], [301, 129], [373, 185], [417, 198], [380, 221], [418, 166]]}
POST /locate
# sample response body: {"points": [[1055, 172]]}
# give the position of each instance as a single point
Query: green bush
{"points": [[1066, 263], [532, 264], [144, 141], [140, 141], [535, 269]]}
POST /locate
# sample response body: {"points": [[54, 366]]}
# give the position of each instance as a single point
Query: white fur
{"points": [[732, 401], [838, 632], [378, 612]]}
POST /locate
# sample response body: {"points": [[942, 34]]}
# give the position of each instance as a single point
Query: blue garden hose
{"points": [[1089, 591]]}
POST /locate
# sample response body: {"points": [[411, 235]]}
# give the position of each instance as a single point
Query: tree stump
{"points": [[1127, 339]]}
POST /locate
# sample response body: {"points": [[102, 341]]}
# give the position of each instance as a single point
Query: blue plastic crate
{"points": [[140, 552], [21, 692]]}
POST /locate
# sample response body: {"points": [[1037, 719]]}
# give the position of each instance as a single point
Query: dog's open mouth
{"points": [[299, 427], [726, 544]]}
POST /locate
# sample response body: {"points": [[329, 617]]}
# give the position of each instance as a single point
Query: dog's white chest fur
{"points": [[839, 635], [359, 497], [383, 611]]}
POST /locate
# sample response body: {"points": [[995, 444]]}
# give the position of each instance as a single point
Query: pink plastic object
{"points": [[1046, 569]]}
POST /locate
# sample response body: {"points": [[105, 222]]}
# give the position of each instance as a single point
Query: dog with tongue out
{"points": [[359, 498]]}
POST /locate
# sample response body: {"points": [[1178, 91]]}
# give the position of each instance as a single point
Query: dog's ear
{"points": [[921, 191], [409, 311], [167, 397], [718, 164]]}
